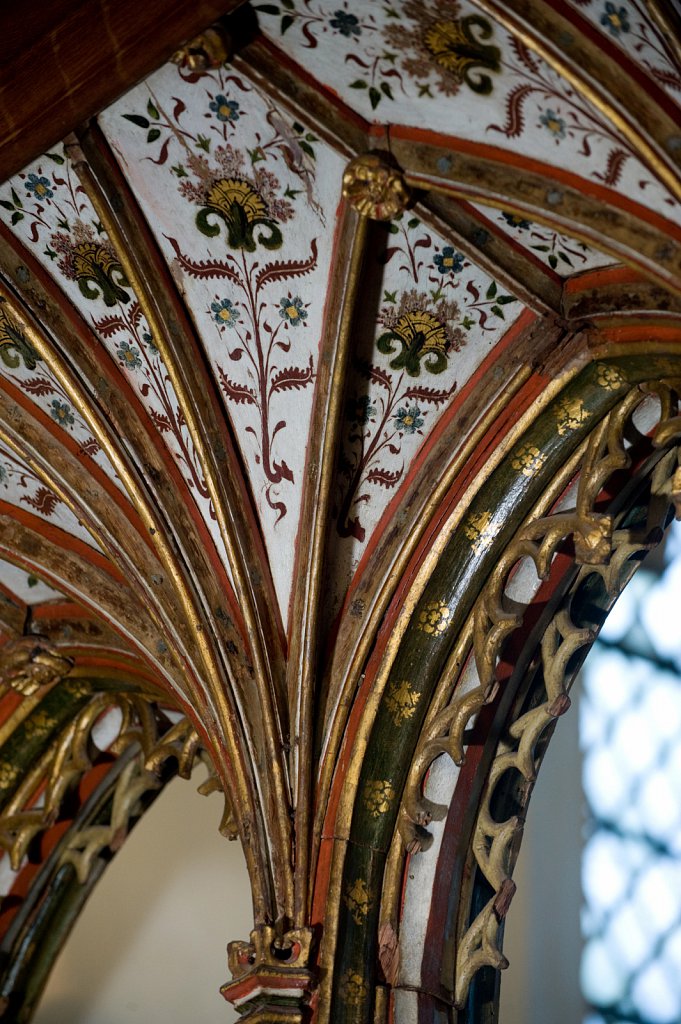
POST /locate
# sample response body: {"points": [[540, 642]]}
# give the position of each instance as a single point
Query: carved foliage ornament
{"points": [[374, 188], [14, 348], [271, 976], [599, 548], [70, 755], [208, 50], [32, 662]]}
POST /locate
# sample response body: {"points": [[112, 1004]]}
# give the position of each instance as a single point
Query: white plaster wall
{"points": [[149, 947]]}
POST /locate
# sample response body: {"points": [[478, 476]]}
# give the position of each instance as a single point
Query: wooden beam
{"points": [[72, 58]]}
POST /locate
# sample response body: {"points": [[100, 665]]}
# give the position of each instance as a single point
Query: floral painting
{"points": [[438, 315], [564, 255], [404, 62], [49, 211], [22, 365], [628, 24], [236, 193], [20, 486]]}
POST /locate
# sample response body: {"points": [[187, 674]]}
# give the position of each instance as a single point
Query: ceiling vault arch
{"points": [[339, 399]]}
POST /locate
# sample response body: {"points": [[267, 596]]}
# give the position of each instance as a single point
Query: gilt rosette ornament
{"points": [[374, 188], [30, 663]]}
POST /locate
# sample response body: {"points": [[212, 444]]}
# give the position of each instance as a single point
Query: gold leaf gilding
{"points": [[374, 188], [8, 774], [77, 687], [609, 377], [528, 460], [38, 725], [401, 701], [353, 989], [434, 618], [378, 796], [358, 900], [481, 531], [570, 414]]}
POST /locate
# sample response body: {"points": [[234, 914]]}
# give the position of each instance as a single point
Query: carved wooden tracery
{"points": [[359, 576]]}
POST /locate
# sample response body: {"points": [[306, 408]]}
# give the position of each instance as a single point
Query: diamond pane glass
{"points": [[630, 733]]}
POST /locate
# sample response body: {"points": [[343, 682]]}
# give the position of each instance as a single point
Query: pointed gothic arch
{"points": [[339, 372]]}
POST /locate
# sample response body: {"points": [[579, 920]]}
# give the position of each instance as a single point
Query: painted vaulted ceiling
{"points": [[294, 345]]}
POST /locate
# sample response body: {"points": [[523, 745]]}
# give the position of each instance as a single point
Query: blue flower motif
{"points": [[347, 24], [554, 123], [514, 221], [148, 340], [408, 420], [225, 312], [61, 413], [129, 356], [292, 310], [224, 109], [449, 261], [361, 410], [39, 187], [615, 19]]}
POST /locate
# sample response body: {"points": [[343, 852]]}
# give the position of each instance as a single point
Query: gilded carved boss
{"points": [[31, 662], [374, 188]]}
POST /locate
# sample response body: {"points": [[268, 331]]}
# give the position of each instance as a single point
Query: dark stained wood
{"points": [[65, 60]]}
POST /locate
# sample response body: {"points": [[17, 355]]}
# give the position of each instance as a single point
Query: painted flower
{"points": [[148, 340], [615, 19], [8, 775], [38, 725], [3, 474], [224, 109], [347, 24], [449, 261], [41, 187], [434, 618], [292, 310], [61, 413], [514, 221], [422, 334], [225, 312], [361, 409], [379, 794], [441, 41], [408, 419], [554, 123], [129, 356]]}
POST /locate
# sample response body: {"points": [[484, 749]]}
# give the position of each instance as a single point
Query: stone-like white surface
{"points": [[257, 293]]}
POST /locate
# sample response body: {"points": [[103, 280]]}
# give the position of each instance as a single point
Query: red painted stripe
{"points": [[603, 41], [115, 378], [57, 536], [526, 319], [482, 150], [489, 443]]}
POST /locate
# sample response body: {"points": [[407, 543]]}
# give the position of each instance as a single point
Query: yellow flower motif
{"points": [[481, 531], [528, 460], [38, 725], [77, 687], [570, 414], [378, 796], [358, 900], [401, 701], [353, 988], [609, 377], [8, 775], [434, 618]]}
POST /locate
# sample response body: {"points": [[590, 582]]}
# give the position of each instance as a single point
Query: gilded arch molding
{"points": [[312, 361]]}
